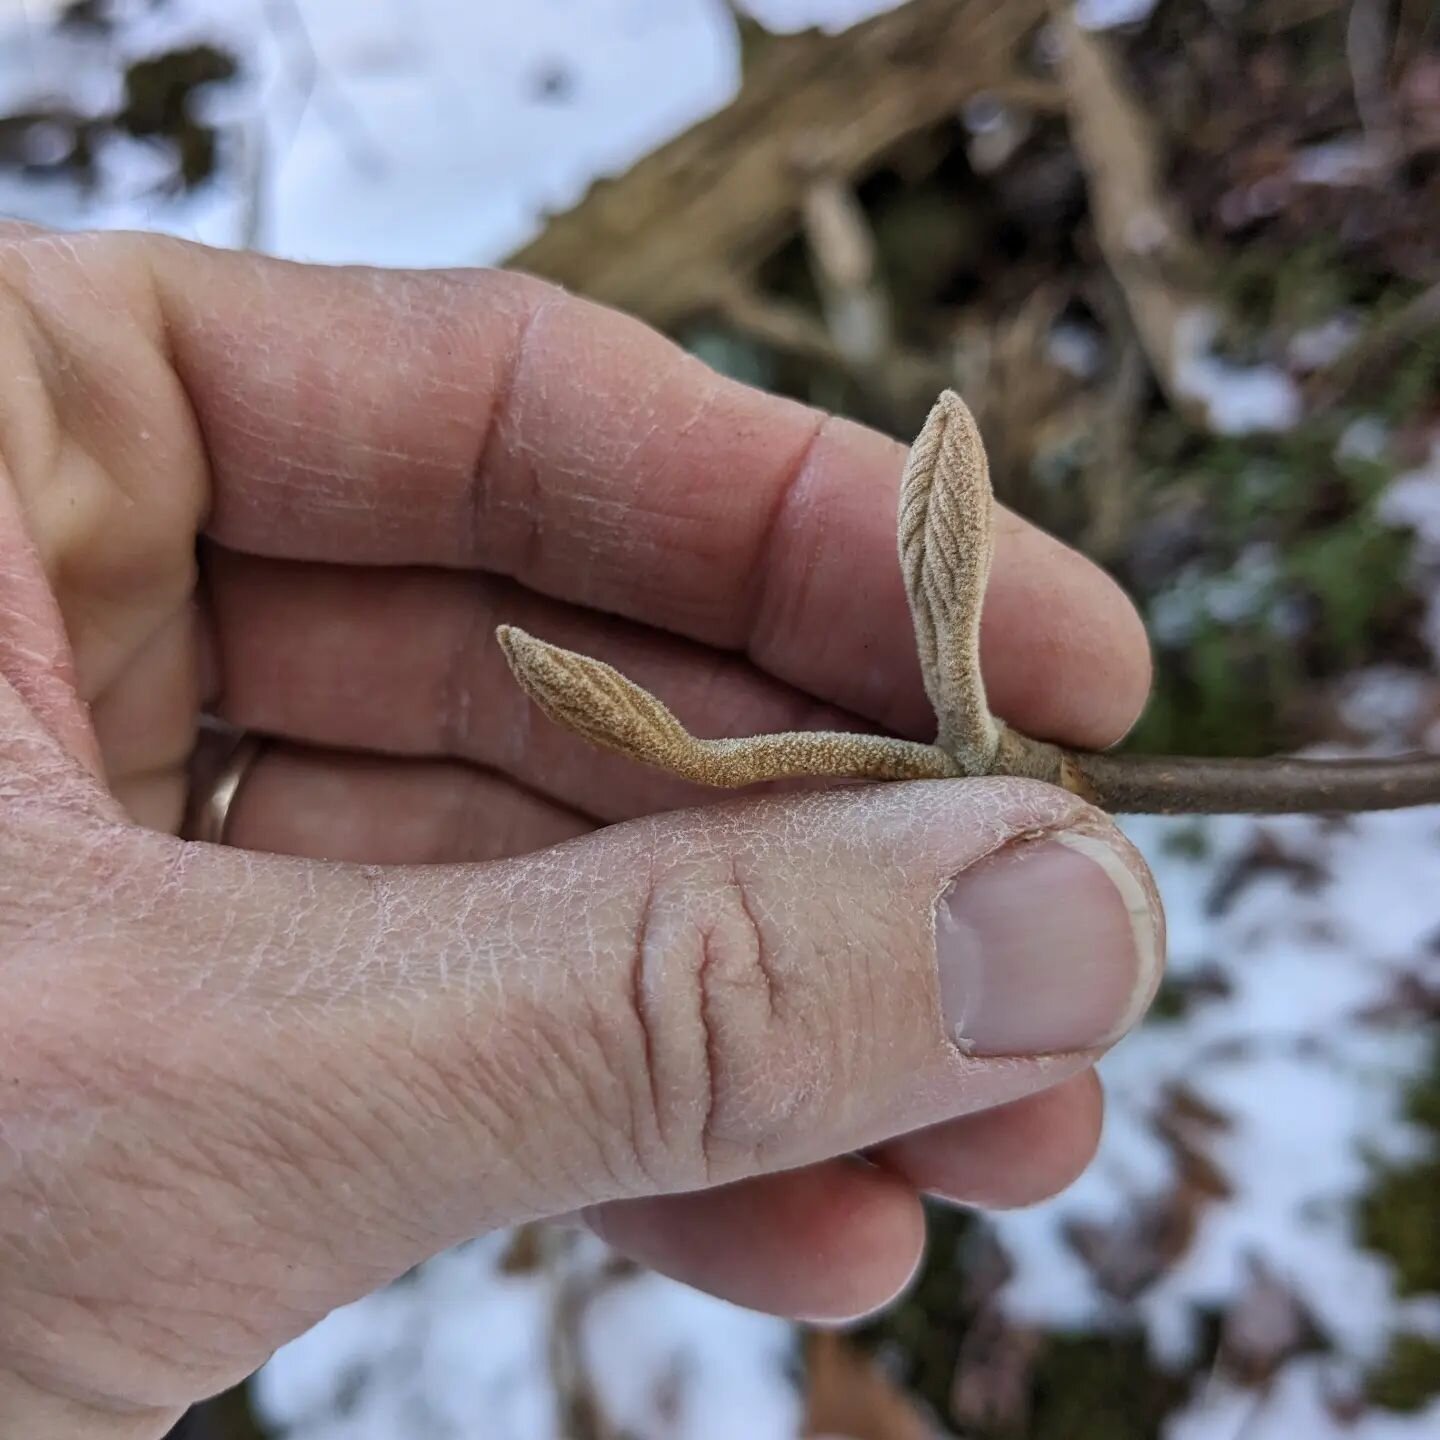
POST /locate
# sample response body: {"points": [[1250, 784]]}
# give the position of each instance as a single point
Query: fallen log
{"points": [[669, 238]]}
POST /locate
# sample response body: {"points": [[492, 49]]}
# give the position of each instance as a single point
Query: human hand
{"points": [[238, 1088]]}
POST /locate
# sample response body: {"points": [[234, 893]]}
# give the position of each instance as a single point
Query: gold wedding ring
{"points": [[213, 795]]}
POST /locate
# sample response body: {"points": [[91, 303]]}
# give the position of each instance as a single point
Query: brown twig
{"points": [[945, 536], [1283, 785], [844, 264], [580, 1415], [1368, 46], [1141, 232], [791, 329], [1108, 480], [778, 323]]}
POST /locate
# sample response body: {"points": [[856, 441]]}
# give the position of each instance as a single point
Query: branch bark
{"points": [[664, 240], [1284, 785], [1141, 232]]}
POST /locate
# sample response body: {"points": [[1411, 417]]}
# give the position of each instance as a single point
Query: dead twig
{"points": [[573, 1287], [1109, 476], [1141, 233], [1022, 397], [791, 329], [1368, 44], [849, 1394], [843, 263], [1282, 15]]}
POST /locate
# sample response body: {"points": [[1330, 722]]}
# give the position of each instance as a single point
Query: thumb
{"points": [[282, 1083], [704, 996]]}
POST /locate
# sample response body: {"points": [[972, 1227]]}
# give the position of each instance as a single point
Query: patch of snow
{"points": [[33, 12], [985, 114], [720, 1363], [1413, 500], [1109, 14], [462, 151], [423, 133], [1384, 702], [1291, 1046], [1075, 348], [411, 1359], [1146, 231], [68, 69], [784, 16], [1238, 399], [460, 1350], [1196, 596], [1364, 438], [1346, 161], [1320, 345], [1307, 1399]]}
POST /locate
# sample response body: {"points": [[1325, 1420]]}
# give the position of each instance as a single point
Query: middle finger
{"points": [[405, 663]]}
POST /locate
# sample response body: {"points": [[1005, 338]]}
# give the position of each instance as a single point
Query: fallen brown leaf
{"points": [[850, 1395]]}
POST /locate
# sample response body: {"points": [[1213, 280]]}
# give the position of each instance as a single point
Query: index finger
{"points": [[484, 419]]}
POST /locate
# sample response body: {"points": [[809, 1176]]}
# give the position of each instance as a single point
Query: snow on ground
{"points": [[404, 132], [1298, 1408], [462, 1350], [425, 132], [1291, 1064], [1237, 399], [1107, 14]]}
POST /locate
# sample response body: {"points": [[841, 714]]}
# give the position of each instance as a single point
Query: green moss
{"points": [[923, 1332], [230, 1417], [1412, 379], [1186, 841], [730, 354], [1422, 1103], [1270, 288], [1100, 1387], [1328, 593], [1409, 1377], [1220, 694], [1083, 1386], [1353, 573], [1400, 1215], [1171, 1003], [1178, 995]]}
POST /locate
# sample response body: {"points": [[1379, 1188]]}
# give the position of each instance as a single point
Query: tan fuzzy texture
{"points": [[945, 549], [946, 543], [595, 700]]}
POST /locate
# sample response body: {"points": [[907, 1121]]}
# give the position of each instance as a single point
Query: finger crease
{"points": [[480, 504], [763, 567], [742, 895]]}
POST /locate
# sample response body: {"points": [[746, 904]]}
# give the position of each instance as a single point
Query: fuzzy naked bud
{"points": [[945, 550]]}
